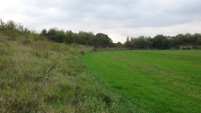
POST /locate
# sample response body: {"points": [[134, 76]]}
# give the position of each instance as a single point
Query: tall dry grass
{"points": [[41, 76]]}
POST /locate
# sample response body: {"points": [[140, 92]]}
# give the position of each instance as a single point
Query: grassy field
{"points": [[37, 75], [167, 81]]}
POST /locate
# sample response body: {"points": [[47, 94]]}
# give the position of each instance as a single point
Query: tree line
{"points": [[163, 42], [14, 29], [84, 38]]}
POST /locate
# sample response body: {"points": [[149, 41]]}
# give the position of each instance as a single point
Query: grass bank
{"points": [[151, 81], [42, 76]]}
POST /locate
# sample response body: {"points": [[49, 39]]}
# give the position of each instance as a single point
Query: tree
{"points": [[128, 43], [44, 32], [179, 39], [198, 38], [52, 34], [161, 42], [141, 42], [82, 38], [103, 40], [70, 37], [91, 39]]}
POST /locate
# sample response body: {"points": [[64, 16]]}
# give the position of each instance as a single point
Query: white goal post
{"points": [[186, 47]]}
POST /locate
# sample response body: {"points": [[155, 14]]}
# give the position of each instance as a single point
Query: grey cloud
{"points": [[106, 15], [156, 14]]}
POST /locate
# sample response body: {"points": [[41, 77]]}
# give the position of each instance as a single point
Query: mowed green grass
{"points": [[152, 81]]}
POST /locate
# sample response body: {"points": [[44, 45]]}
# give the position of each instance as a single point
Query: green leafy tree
{"points": [[103, 40], [161, 42], [70, 37], [198, 38], [44, 32], [82, 38], [141, 42], [52, 34], [128, 43]]}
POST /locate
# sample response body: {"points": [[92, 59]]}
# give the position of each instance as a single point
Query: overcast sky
{"points": [[116, 18]]}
